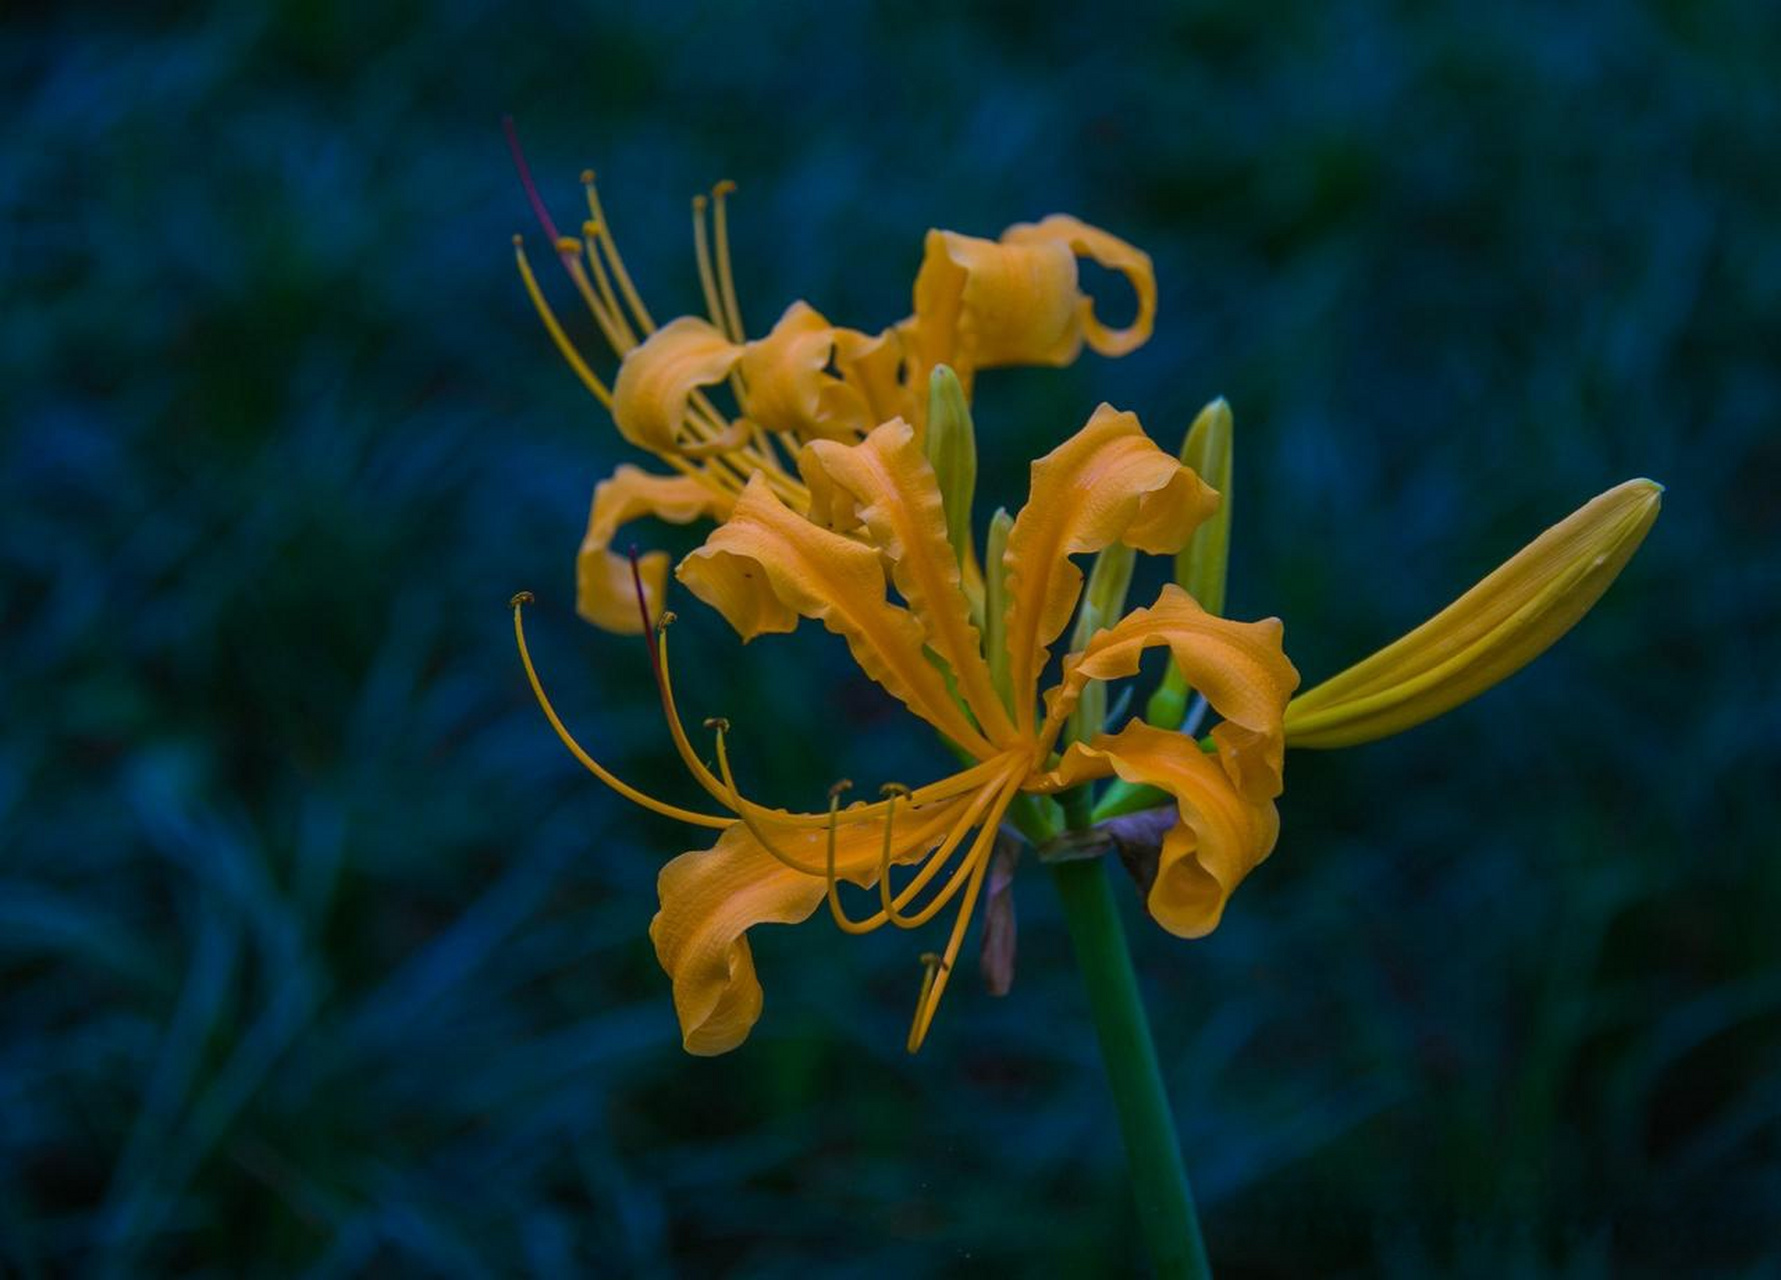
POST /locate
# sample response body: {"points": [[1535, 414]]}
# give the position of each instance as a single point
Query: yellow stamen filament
{"points": [[935, 862], [957, 784], [600, 302], [604, 229], [707, 281], [745, 811], [721, 227], [555, 329], [978, 860], [605, 775], [892, 792]]}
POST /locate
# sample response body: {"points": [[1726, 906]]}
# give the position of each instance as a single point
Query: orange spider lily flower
{"points": [[978, 303], [877, 505]]}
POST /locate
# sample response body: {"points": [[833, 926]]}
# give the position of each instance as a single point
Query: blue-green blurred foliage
{"points": [[320, 956]]}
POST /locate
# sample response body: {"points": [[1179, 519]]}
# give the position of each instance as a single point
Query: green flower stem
{"points": [[1153, 1152]]}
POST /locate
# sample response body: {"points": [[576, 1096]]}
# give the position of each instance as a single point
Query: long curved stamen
{"points": [[591, 234], [978, 859], [938, 859], [707, 281], [593, 766], [892, 792], [935, 862], [604, 228], [598, 300], [957, 784], [720, 727], [555, 329], [721, 228], [836, 910]]}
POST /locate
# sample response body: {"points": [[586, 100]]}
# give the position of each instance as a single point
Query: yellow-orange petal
{"points": [[980, 303], [766, 566], [1220, 836], [656, 381], [1240, 667], [896, 496], [1107, 483], [789, 384], [604, 592], [1488, 634], [872, 364], [710, 898], [1110, 252]]}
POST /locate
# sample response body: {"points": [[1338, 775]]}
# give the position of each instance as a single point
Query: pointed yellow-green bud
{"points": [[1103, 603], [1200, 565], [1488, 634], [951, 445], [995, 603]]}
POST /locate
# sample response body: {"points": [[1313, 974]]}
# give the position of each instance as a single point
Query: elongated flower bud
{"points": [[1200, 565], [995, 603], [951, 446], [1103, 603], [1488, 634]]}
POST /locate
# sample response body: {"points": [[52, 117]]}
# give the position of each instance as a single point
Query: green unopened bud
{"points": [[1102, 605], [1200, 566], [995, 603], [951, 446]]}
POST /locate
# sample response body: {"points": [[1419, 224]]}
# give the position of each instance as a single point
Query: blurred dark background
{"points": [[318, 954]]}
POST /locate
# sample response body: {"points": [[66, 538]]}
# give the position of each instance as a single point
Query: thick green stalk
{"points": [[1153, 1152]]}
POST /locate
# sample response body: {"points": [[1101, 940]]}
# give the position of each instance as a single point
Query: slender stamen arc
{"points": [[945, 789], [938, 859], [721, 227], [707, 281], [644, 323], [831, 891], [931, 867], [744, 810], [566, 347], [575, 748], [978, 859], [609, 329], [892, 792], [590, 230]]}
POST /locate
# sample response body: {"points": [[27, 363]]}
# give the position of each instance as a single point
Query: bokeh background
{"points": [[320, 957]]}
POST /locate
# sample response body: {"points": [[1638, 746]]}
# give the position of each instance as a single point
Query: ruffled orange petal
{"points": [[789, 384], [1240, 667], [657, 380], [766, 566], [1221, 834], [1107, 483], [604, 592], [894, 493], [1108, 251], [711, 898], [872, 364], [980, 304]]}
